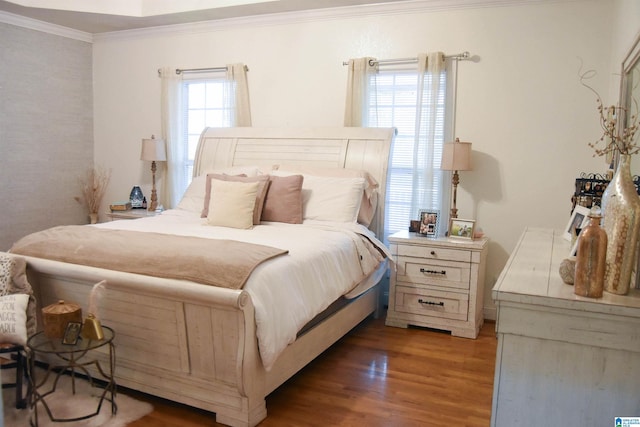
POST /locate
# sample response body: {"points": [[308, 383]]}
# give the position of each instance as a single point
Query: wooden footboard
{"points": [[190, 343]]}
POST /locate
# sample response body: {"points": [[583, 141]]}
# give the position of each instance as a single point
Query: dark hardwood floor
{"points": [[375, 376]]}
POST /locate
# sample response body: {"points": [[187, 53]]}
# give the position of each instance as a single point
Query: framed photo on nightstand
{"points": [[461, 228], [579, 219], [429, 222], [71, 333]]}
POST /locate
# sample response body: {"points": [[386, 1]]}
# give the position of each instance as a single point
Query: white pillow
{"points": [[193, 197], [232, 203], [369, 201], [330, 198], [13, 318]]}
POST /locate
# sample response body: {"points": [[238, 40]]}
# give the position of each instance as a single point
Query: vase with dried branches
{"points": [[93, 185], [620, 200]]}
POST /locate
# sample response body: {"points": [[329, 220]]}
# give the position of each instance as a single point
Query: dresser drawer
{"points": [[448, 274], [435, 253], [431, 303]]}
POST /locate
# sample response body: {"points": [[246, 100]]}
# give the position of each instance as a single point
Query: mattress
{"points": [[325, 261]]}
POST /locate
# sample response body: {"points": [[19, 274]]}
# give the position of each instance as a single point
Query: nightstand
{"points": [[130, 214], [438, 283]]}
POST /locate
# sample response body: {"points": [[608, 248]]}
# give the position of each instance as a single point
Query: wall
{"points": [[520, 101], [46, 130], [626, 31]]}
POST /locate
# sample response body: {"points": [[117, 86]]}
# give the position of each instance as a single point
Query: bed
{"points": [[207, 345]]}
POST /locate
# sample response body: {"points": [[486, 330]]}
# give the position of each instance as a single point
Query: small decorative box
{"points": [[56, 317]]}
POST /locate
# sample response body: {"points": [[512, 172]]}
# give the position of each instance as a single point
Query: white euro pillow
{"points": [[330, 198], [194, 196]]}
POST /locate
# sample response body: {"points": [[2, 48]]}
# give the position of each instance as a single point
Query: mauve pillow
{"points": [[284, 200], [263, 184]]}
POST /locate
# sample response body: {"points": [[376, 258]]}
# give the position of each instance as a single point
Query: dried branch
{"points": [[93, 185], [614, 139]]}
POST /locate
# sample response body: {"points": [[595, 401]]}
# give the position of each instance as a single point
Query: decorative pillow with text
{"points": [[13, 318]]}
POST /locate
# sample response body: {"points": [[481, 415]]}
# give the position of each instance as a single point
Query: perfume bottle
{"points": [[136, 197]]}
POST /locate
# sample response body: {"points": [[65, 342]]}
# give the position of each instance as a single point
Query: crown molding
{"points": [[45, 27], [274, 19]]}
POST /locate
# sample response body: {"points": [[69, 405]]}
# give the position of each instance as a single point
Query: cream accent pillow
{"points": [[13, 318], [232, 203], [263, 186]]}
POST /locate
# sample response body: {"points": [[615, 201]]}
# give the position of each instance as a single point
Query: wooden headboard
{"points": [[347, 147]]}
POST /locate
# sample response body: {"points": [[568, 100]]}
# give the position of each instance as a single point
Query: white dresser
{"points": [[438, 283], [562, 360]]}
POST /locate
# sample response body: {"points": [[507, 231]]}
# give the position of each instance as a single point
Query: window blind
{"points": [[415, 181]]}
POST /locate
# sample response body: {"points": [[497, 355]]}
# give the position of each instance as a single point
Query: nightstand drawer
{"points": [[431, 303], [448, 274], [435, 253]]}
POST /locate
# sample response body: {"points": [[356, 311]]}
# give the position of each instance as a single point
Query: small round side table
{"points": [[72, 359]]}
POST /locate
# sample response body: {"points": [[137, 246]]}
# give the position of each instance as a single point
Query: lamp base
{"points": [[154, 194], [455, 180]]}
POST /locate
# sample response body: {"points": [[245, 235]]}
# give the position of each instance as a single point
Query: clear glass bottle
{"points": [[590, 258]]}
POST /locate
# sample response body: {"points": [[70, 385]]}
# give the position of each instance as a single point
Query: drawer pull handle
{"points": [[423, 270], [421, 301]]}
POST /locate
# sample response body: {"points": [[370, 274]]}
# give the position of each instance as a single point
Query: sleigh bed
{"points": [[208, 345]]}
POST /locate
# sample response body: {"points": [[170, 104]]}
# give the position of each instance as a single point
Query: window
{"points": [[204, 106], [415, 180]]}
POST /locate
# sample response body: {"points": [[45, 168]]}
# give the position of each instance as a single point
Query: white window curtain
{"points": [[174, 116], [412, 99], [361, 72], [237, 96], [174, 181]]}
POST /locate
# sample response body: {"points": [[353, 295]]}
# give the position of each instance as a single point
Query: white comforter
{"points": [[325, 261]]}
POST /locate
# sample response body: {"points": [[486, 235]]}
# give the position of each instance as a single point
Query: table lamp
{"points": [[153, 150], [456, 156]]}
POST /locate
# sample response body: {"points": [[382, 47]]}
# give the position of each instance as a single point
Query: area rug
{"points": [[64, 404]]}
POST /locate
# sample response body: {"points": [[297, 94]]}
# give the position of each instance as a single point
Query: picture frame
{"points": [[462, 229], [429, 221], [574, 248], [579, 219], [72, 333]]}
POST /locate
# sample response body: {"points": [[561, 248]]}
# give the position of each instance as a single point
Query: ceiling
{"points": [[100, 16]]}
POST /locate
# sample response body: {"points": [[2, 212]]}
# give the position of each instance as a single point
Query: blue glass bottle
{"points": [[136, 197]]}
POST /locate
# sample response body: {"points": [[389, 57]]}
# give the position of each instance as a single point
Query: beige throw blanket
{"points": [[224, 263]]}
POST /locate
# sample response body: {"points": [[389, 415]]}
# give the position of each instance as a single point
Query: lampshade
{"points": [[456, 156], [153, 149]]}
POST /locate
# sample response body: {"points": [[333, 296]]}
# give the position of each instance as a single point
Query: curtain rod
{"points": [[201, 70], [458, 57]]}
